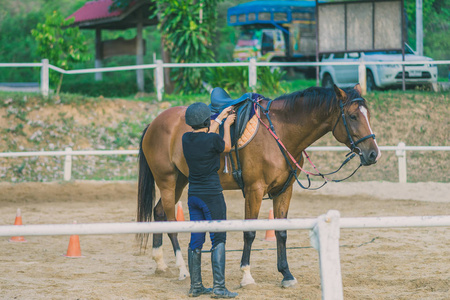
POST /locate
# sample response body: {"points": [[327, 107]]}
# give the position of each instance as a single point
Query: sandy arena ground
{"points": [[376, 264]]}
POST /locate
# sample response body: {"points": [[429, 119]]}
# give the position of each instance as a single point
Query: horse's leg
{"points": [[180, 263], [157, 252], [280, 208], [252, 205], [165, 211]]}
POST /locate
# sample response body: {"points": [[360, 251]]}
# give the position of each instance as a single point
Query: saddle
{"points": [[221, 100], [246, 124], [244, 128]]}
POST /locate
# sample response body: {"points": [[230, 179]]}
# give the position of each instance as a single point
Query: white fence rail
{"points": [[400, 152], [324, 234], [218, 226], [252, 65]]}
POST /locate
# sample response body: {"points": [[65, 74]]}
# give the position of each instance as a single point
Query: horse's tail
{"points": [[146, 193]]}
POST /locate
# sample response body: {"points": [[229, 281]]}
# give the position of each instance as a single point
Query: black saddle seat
{"points": [[220, 99]]}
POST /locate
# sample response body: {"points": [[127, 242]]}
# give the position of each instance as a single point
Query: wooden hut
{"points": [[97, 15]]}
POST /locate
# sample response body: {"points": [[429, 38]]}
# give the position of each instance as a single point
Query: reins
{"points": [[286, 153]]}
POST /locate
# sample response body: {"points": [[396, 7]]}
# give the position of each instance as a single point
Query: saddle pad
{"points": [[249, 132]]}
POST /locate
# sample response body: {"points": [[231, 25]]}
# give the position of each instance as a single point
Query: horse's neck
{"points": [[302, 129]]}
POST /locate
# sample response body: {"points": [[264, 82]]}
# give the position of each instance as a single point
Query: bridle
{"points": [[286, 154], [353, 145]]}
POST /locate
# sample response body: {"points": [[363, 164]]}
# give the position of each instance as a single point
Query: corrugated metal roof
{"points": [[94, 10]]}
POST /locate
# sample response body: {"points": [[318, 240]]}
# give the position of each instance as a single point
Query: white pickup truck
{"points": [[378, 76]]}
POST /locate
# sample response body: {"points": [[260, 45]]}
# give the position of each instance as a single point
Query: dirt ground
{"points": [[376, 264]]}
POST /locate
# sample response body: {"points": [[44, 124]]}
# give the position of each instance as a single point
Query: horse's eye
{"points": [[353, 117]]}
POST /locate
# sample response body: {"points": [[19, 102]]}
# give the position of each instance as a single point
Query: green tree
{"points": [[61, 44], [189, 27], [436, 29], [17, 45]]}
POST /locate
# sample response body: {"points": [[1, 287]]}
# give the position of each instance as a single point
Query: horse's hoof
{"points": [[247, 280], [251, 287], [159, 272], [288, 283], [247, 284], [167, 273], [183, 276], [161, 269]]}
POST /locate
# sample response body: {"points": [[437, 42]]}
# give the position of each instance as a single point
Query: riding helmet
{"points": [[197, 114]]}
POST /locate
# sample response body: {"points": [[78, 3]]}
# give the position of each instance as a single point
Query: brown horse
{"points": [[299, 119]]}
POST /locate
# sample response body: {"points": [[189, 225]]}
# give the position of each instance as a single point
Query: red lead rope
{"points": [[288, 153]]}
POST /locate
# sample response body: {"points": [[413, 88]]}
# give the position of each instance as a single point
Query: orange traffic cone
{"points": [[18, 221], [74, 249], [180, 214], [270, 234]]}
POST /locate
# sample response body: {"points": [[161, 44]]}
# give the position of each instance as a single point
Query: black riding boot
{"points": [[195, 268], [218, 267]]}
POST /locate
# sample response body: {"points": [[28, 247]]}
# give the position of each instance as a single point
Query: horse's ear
{"points": [[358, 88], [339, 93]]}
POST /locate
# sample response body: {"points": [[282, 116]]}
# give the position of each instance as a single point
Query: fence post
{"points": [[325, 239], [252, 74], [44, 78], [401, 154], [159, 79], [68, 164], [362, 77]]}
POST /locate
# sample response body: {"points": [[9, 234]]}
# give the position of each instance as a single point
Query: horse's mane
{"points": [[316, 97]]}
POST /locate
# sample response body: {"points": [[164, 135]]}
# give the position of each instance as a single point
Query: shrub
{"points": [[235, 79], [118, 84]]}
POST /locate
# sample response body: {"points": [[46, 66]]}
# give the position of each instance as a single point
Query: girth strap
{"points": [[292, 171], [237, 171]]}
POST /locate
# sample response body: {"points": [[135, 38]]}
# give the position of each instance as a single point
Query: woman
{"points": [[202, 148]]}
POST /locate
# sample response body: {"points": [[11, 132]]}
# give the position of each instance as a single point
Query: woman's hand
{"points": [[219, 119], [225, 112], [230, 119], [226, 130]]}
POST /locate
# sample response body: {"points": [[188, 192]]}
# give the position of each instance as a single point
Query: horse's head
{"points": [[352, 125]]}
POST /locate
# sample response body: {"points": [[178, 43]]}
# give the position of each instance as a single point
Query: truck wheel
{"points": [[371, 86], [327, 81]]}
